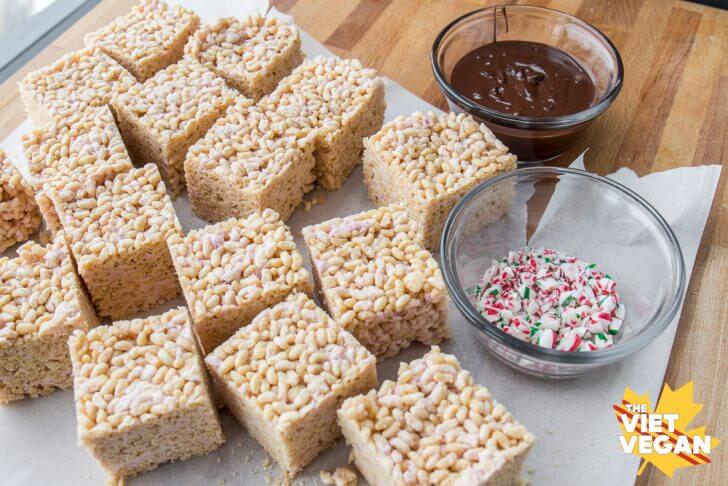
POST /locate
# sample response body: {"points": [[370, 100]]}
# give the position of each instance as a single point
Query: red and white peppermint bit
{"points": [[550, 299]]}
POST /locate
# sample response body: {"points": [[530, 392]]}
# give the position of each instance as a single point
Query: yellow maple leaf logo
{"points": [[662, 437]]}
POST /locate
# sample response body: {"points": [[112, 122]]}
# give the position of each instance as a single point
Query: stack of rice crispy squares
{"points": [[157, 104]]}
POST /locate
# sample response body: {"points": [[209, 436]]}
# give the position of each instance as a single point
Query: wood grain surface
{"points": [[672, 112]]}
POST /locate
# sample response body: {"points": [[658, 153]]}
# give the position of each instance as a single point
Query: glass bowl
{"points": [[532, 139], [582, 215]]}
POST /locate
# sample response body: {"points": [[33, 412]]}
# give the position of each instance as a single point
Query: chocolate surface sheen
{"points": [[524, 78]]}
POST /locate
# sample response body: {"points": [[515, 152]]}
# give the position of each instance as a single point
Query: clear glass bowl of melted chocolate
{"points": [[536, 76]]}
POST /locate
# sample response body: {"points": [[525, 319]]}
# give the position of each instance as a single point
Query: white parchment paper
{"points": [[573, 421]]}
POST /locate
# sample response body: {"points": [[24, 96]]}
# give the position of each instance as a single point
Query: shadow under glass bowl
{"points": [[582, 215], [532, 139]]}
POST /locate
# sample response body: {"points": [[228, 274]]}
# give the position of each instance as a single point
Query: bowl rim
{"points": [[620, 350], [563, 121]]}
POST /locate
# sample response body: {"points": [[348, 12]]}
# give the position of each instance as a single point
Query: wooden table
{"points": [[672, 112]]}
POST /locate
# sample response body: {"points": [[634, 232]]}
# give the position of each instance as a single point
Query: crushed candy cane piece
{"points": [[551, 300]]}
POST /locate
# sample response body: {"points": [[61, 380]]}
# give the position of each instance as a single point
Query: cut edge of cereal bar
{"points": [[133, 39], [355, 93], [469, 440], [135, 418], [19, 213], [214, 263], [118, 232], [415, 172], [377, 281], [161, 118], [33, 350], [79, 147], [329, 366]]}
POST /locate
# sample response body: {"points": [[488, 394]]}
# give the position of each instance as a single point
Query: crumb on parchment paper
{"points": [[342, 476], [313, 201], [115, 481]]}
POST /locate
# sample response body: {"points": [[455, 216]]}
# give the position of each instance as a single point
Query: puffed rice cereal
{"points": [[342, 476], [41, 304], [428, 162], [253, 55], [162, 117], [80, 80], [284, 376], [149, 38], [342, 100], [79, 147], [433, 425], [232, 270], [377, 281], [19, 215], [248, 161], [118, 235], [142, 396]]}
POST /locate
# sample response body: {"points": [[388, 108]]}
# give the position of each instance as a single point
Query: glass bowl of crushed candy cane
{"points": [[561, 271]]}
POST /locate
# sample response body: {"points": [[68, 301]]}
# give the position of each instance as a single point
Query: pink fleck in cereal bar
{"points": [[434, 425], [41, 304], [284, 376], [161, 118], [377, 282], [428, 162], [248, 161], [253, 55], [339, 98], [118, 234], [19, 215], [232, 270], [142, 396], [80, 147], [149, 38], [82, 79]]}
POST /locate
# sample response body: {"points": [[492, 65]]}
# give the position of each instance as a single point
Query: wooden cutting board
{"points": [[672, 112]]}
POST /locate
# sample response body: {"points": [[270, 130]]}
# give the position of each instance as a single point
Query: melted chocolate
{"points": [[524, 78]]}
